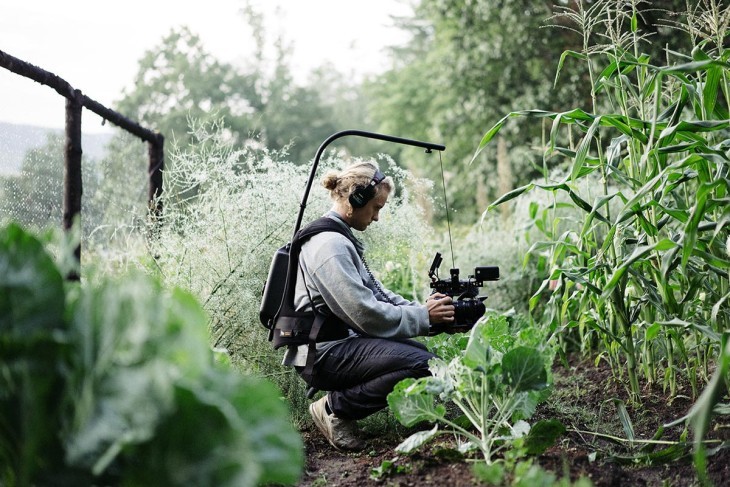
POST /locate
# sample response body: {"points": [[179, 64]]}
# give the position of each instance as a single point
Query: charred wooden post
{"points": [[156, 150], [72, 183]]}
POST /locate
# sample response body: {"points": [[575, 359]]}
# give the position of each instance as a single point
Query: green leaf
{"points": [[653, 331], [543, 435], [489, 135], [623, 415], [489, 335], [490, 474], [606, 74], [717, 307], [583, 147], [694, 66], [690, 127], [711, 88], [524, 369], [417, 440], [511, 195], [411, 403], [563, 56], [527, 403], [225, 431], [639, 253], [132, 340], [697, 215], [260, 419], [32, 335], [32, 299]]}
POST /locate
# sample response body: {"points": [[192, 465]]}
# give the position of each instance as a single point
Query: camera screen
{"points": [[486, 273]]}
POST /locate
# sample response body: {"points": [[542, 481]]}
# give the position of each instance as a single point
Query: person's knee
{"points": [[420, 366]]}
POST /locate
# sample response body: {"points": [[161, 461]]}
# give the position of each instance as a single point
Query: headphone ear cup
{"points": [[361, 196]]}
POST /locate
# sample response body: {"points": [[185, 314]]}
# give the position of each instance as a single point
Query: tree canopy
{"points": [[469, 63]]}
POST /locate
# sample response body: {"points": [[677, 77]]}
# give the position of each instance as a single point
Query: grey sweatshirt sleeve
{"points": [[336, 277]]}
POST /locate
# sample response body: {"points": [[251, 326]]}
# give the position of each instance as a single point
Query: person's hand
{"points": [[440, 309]]}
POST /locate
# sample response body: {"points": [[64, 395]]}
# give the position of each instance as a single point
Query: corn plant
{"points": [[645, 270]]}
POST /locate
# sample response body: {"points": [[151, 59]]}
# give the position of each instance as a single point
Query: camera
{"points": [[468, 305]]}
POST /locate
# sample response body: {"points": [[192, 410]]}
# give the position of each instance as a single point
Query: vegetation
{"points": [[610, 175], [116, 383], [497, 382], [642, 268], [470, 62], [645, 270], [219, 242]]}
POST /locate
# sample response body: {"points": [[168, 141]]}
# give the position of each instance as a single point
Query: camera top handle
{"points": [[429, 146]]}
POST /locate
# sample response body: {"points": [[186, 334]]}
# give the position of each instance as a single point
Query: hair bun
{"points": [[329, 180]]}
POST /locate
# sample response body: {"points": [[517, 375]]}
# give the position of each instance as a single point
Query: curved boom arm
{"points": [[360, 133]]}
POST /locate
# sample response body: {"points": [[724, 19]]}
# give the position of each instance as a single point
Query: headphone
{"points": [[363, 194]]}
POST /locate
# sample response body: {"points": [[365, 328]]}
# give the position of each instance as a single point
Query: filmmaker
{"points": [[375, 351]]}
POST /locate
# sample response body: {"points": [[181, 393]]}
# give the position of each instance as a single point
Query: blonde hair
{"points": [[341, 184]]}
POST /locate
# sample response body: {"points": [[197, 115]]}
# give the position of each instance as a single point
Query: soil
{"points": [[584, 399]]}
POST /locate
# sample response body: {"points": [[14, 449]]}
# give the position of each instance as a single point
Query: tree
{"points": [[469, 63], [179, 81]]}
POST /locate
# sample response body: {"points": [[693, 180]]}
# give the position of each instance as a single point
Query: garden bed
{"points": [[583, 400]]}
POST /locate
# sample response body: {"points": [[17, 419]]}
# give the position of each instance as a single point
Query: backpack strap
{"points": [[293, 327], [322, 224]]}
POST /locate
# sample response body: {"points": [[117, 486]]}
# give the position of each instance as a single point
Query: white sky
{"points": [[96, 45]]}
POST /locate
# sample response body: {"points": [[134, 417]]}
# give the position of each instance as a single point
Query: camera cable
{"points": [[375, 281]]}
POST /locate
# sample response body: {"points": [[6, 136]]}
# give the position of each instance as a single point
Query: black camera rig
{"points": [[468, 305]]}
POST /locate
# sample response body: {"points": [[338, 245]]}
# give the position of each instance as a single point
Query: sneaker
{"points": [[341, 433]]}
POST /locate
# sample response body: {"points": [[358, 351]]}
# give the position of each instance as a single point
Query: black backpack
{"points": [[286, 325]]}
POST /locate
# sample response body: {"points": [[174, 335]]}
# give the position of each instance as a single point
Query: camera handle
{"points": [[429, 146]]}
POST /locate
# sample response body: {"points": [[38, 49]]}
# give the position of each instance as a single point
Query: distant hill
{"points": [[17, 140]]}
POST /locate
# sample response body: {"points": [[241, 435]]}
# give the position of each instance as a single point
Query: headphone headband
{"points": [[377, 178]]}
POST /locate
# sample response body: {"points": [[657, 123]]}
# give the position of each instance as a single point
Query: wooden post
{"points": [[156, 150], [72, 184]]}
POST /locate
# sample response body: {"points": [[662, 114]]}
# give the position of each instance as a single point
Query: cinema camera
{"points": [[469, 306]]}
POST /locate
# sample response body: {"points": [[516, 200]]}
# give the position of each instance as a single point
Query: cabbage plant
{"points": [[115, 383], [496, 382]]}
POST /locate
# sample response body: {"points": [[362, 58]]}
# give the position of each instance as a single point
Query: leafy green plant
{"points": [[387, 468], [116, 383], [497, 382], [643, 272]]}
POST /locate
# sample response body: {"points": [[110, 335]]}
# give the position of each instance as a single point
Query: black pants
{"points": [[359, 373]]}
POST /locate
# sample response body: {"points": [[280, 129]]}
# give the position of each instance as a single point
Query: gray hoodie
{"points": [[337, 279]]}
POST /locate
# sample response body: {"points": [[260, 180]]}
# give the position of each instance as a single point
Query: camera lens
{"points": [[468, 311]]}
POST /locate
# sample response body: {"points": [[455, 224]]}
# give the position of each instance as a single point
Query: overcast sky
{"points": [[96, 45]]}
